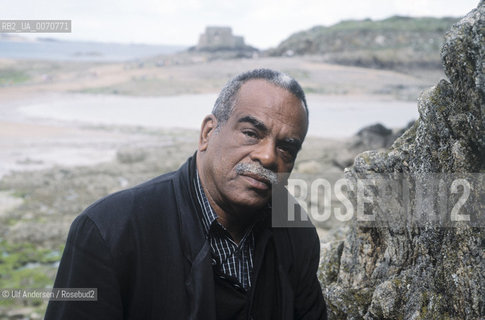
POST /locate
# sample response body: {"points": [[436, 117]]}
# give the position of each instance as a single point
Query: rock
{"points": [[309, 167], [410, 262], [8, 202], [377, 136], [372, 137], [330, 253], [20, 313], [130, 155], [400, 132]]}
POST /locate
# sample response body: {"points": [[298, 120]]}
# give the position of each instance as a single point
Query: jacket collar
{"points": [[198, 271]]}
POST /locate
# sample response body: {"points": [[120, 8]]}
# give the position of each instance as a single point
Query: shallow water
{"points": [[330, 116]]}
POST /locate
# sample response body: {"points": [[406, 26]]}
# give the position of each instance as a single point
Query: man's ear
{"points": [[209, 125]]}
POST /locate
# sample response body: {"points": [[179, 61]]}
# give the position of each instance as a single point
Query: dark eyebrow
{"points": [[255, 122]]}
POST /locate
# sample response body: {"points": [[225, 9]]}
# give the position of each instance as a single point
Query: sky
{"points": [[263, 23]]}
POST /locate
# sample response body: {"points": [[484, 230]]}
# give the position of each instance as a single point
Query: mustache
{"points": [[255, 169]]}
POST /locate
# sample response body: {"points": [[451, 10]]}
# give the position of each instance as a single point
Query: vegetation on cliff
{"points": [[393, 43]]}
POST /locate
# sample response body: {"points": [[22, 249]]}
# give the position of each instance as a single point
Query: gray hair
{"points": [[227, 98]]}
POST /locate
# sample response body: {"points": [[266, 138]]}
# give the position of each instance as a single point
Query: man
{"points": [[198, 243]]}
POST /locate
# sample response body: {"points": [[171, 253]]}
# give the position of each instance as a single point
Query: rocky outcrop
{"points": [[412, 261], [393, 43]]}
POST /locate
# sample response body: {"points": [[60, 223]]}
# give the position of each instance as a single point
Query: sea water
{"points": [[330, 116]]}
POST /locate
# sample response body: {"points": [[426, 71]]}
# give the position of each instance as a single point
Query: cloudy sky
{"points": [[263, 23]]}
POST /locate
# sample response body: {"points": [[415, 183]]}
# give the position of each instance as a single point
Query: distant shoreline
{"points": [[77, 51]]}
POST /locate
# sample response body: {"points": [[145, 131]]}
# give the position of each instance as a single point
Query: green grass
{"points": [[395, 23], [142, 86], [412, 42], [10, 77], [24, 265]]}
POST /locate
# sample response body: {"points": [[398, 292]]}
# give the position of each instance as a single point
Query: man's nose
{"points": [[265, 154]]}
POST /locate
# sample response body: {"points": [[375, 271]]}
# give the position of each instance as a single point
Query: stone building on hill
{"points": [[221, 39]]}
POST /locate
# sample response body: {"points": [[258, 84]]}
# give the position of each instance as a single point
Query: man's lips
{"points": [[257, 181]]}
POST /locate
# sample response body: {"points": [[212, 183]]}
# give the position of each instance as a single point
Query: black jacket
{"points": [[145, 251]]}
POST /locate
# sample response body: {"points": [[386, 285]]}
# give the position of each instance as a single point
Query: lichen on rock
{"points": [[412, 265]]}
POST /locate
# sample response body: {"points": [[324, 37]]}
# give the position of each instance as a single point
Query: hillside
{"points": [[393, 43]]}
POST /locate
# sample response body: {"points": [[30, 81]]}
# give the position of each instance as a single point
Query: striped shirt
{"points": [[232, 259]]}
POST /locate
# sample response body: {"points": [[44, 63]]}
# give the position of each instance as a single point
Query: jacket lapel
{"points": [[272, 294], [284, 256], [199, 281]]}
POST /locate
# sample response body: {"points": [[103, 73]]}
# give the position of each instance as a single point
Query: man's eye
{"points": [[250, 133], [288, 151]]}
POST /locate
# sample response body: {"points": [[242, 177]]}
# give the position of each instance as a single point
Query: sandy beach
{"points": [[64, 113], [73, 106]]}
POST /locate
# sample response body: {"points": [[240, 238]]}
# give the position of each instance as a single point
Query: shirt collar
{"points": [[208, 214]]}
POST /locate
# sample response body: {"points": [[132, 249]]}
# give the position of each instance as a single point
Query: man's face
{"points": [[263, 135]]}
